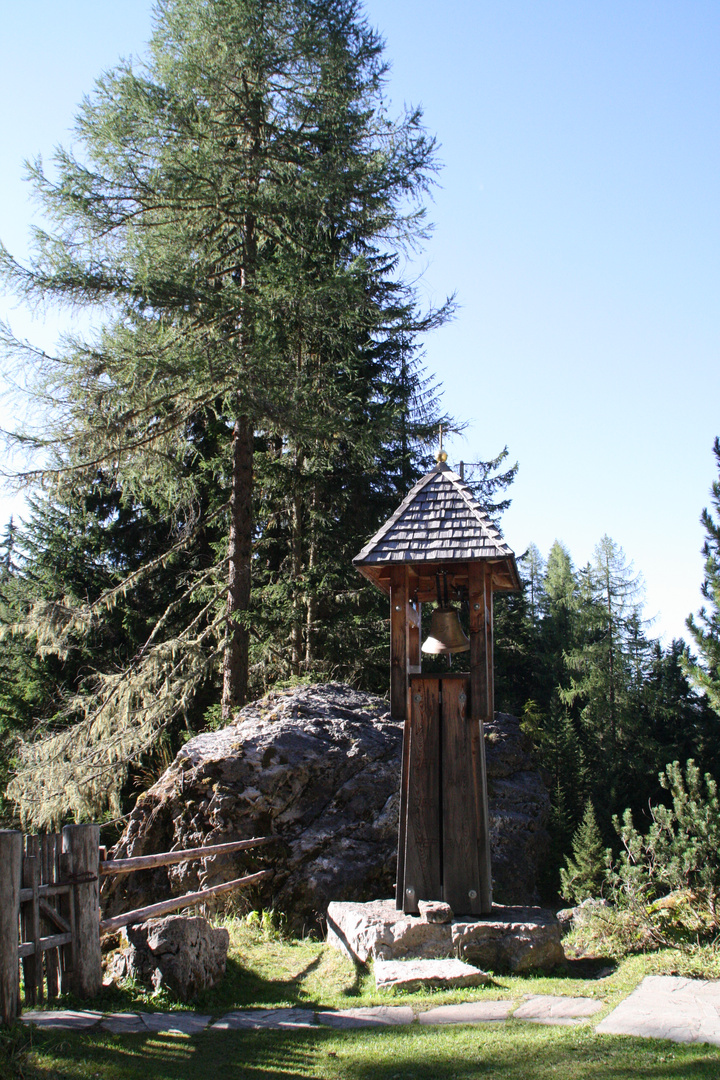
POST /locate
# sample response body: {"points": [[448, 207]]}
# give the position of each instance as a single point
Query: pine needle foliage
{"points": [[584, 872], [705, 629], [234, 214]]}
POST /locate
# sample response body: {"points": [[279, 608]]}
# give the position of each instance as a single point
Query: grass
{"points": [[266, 970]]}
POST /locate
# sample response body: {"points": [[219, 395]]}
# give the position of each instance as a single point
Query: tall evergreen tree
{"points": [[236, 214], [705, 629]]}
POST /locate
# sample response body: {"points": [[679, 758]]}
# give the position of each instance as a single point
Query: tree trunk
{"points": [[235, 665]]}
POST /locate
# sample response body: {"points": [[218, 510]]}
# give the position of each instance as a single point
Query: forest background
{"points": [[574, 657]]}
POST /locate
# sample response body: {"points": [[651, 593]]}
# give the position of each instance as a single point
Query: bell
{"points": [[446, 634]]}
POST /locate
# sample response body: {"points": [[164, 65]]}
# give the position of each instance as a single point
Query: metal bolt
{"points": [[397, 607], [472, 894], [476, 607]]}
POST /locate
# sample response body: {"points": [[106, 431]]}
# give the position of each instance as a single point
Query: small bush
{"points": [[669, 879]]}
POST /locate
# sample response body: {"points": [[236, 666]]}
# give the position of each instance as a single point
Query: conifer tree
{"points": [[584, 872], [705, 629], [235, 213]]}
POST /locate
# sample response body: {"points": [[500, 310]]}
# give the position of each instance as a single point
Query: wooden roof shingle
{"points": [[440, 519]]}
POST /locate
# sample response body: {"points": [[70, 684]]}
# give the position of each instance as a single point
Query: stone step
{"points": [[419, 974]]}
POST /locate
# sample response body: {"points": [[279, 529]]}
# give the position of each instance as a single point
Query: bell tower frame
{"points": [[443, 833]]}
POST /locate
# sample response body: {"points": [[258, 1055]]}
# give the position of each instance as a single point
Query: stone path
{"points": [[662, 1007], [668, 1007], [539, 1009]]}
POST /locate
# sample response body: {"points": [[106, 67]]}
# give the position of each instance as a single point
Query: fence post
{"points": [[10, 873], [81, 843]]}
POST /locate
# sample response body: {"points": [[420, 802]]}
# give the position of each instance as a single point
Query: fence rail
{"points": [[50, 918]]}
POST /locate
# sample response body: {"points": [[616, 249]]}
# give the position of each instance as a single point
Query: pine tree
{"points": [[705, 629], [236, 215], [584, 873]]}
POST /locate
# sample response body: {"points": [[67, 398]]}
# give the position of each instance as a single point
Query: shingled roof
{"points": [[439, 519]]}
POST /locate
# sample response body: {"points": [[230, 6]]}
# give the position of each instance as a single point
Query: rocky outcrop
{"points": [[318, 768], [184, 955]]}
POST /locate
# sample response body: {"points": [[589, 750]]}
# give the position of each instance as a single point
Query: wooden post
{"points": [[49, 877], [414, 621], [81, 843], [398, 642], [10, 874], [28, 912], [481, 678]]}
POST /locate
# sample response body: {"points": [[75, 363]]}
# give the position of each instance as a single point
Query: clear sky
{"points": [[577, 219]]}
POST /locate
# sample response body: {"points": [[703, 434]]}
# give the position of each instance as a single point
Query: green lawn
{"points": [[265, 971]]}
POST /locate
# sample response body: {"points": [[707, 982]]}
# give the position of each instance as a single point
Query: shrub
{"points": [[670, 878]]}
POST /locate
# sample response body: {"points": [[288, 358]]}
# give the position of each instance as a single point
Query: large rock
{"points": [[317, 767], [507, 939], [186, 955]]}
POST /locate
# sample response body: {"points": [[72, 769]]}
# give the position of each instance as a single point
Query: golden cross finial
{"points": [[441, 456]]}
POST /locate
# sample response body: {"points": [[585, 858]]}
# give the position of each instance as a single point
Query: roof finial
{"points": [[441, 456]]}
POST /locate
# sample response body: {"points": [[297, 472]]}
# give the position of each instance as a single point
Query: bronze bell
{"points": [[446, 634]]}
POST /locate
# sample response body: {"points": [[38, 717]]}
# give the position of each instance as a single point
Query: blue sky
{"points": [[576, 218]]}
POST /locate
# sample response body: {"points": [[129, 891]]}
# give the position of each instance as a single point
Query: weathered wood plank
{"points": [[460, 819], [49, 910], [31, 917], [54, 917], [398, 642], [81, 843], [480, 598], [66, 905], [402, 819], [11, 855], [51, 941], [168, 858], [153, 911], [422, 833]]}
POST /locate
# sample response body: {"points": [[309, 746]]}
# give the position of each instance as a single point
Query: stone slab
{"points": [[551, 1009], [416, 974], [265, 1018], [372, 1016], [62, 1018], [182, 1023], [668, 1007], [123, 1024], [469, 1012], [378, 930], [509, 938]]}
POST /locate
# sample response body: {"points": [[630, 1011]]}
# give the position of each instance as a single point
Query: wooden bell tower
{"points": [[440, 532]]}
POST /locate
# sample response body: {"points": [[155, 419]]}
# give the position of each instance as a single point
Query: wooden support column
{"points": [[414, 617], [481, 680], [82, 843], [10, 874], [399, 703], [398, 642]]}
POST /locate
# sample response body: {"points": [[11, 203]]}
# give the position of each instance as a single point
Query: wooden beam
{"points": [[140, 915], [480, 588], [398, 642], [169, 858], [81, 843], [10, 875], [423, 839]]}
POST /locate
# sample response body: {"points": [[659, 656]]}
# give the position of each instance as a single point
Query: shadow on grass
{"points": [[241, 987], [588, 967], [511, 1052]]}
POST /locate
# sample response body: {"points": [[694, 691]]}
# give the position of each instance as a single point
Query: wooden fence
{"points": [[50, 909]]}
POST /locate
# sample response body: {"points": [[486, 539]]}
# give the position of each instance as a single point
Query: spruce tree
{"points": [[584, 872]]}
